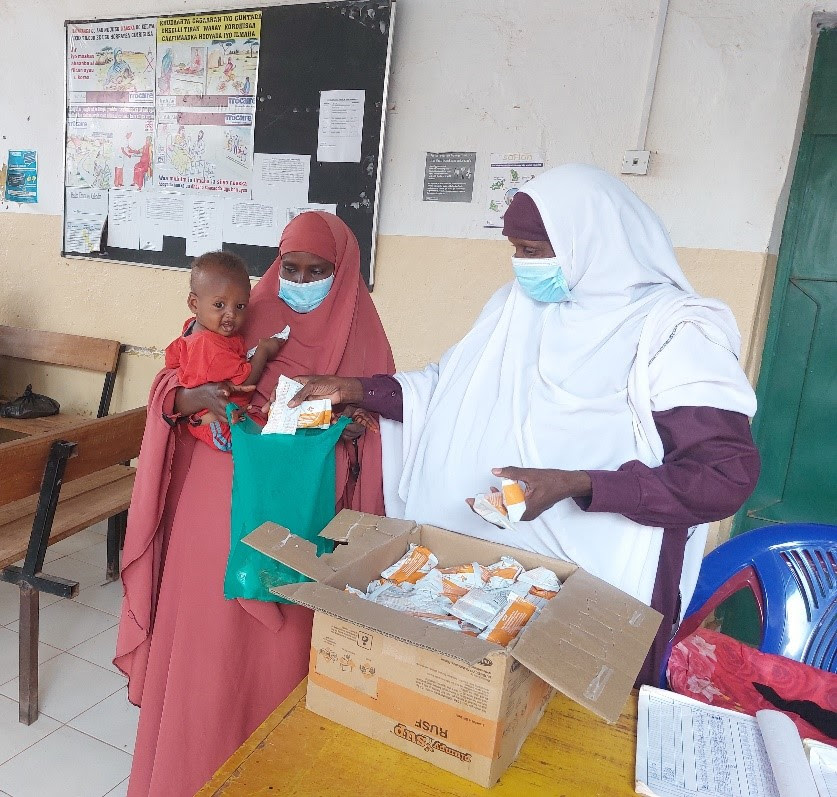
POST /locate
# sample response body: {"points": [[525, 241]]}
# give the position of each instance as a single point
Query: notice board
{"points": [[188, 133]]}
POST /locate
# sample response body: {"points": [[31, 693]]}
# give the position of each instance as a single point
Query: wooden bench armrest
{"points": [[100, 443], [57, 348]]}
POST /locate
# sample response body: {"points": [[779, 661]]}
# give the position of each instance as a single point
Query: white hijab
{"points": [[569, 385]]}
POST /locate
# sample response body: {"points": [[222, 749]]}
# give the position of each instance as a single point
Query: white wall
{"points": [[569, 78], [563, 76]]}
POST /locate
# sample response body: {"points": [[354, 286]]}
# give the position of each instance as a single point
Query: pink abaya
{"points": [[206, 671], [212, 669], [220, 671]]}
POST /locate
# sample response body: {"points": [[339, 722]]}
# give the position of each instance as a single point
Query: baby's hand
{"points": [[366, 419], [271, 346], [362, 421], [361, 418]]}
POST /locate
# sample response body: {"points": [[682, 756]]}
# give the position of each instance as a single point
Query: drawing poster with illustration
{"points": [[207, 67], [109, 147], [111, 62], [508, 173], [182, 69], [205, 157], [226, 67]]}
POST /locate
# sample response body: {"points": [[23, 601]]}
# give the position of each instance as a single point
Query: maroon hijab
{"points": [[522, 219]]}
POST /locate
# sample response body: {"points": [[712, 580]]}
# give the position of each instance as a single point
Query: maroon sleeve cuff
{"points": [[382, 394], [612, 491]]}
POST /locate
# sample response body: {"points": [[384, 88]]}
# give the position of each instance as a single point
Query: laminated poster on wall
{"points": [[110, 114], [85, 212], [207, 69], [111, 63], [109, 146], [508, 173], [449, 176], [22, 176]]}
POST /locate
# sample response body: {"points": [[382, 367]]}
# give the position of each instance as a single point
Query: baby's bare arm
{"points": [[267, 349]]}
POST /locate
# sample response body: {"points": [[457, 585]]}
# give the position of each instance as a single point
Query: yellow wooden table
{"points": [[572, 753]]}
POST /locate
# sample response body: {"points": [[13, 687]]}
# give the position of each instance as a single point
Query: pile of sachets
{"points": [[493, 602]]}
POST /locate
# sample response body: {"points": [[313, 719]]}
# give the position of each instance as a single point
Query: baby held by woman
{"points": [[211, 348]]}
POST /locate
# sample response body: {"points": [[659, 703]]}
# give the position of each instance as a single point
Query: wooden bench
{"points": [[55, 348], [54, 484]]}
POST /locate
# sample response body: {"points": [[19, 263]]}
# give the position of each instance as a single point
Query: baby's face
{"points": [[220, 303]]}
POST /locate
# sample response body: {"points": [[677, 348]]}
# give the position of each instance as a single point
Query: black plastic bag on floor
{"points": [[29, 405]]}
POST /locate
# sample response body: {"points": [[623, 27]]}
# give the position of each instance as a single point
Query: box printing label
{"points": [[428, 743], [349, 654], [426, 694], [454, 681]]}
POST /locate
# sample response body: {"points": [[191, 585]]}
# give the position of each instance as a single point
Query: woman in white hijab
{"points": [[600, 380]]}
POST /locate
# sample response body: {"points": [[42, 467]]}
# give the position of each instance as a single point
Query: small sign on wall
{"points": [[508, 173], [22, 176], [449, 176]]}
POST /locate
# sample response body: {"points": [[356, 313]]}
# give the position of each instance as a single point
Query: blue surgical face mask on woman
{"points": [[541, 278], [303, 297]]}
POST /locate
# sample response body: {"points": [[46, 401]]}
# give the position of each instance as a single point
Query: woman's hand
{"points": [[213, 396], [340, 389], [265, 408], [363, 418], [546, 487]]}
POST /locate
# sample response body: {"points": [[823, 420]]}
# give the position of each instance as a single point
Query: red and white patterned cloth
{"points": [[719, 670]]}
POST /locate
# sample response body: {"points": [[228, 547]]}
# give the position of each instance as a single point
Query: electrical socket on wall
{"points": [[635, 161]]}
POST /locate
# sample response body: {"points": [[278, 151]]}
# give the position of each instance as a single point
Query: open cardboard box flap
{"points": [[589, 642], [301, 555], [363, 530], [363, 533]]}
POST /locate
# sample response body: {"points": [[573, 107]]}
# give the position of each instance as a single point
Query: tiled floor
{"points": [[81, 745]]}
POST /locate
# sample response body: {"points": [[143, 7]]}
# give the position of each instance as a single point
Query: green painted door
{"points": [[795, 427], [796, 424]]}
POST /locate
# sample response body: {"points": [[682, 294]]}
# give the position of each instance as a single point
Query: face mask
{"points": [[303, 297], [541, 278]]}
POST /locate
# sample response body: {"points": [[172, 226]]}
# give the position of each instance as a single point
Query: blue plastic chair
{"points": [[792, 572]]}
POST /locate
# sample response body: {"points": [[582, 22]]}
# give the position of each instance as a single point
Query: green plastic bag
{"points": [[288, 479]]}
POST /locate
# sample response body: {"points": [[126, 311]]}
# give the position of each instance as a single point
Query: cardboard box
{"points": [[459, 702]]}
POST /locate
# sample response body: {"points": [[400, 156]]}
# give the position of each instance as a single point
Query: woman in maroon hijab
{"points": [[204, 670]]}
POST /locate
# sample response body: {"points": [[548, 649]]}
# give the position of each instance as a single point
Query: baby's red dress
{"points": [[204, 356]]}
